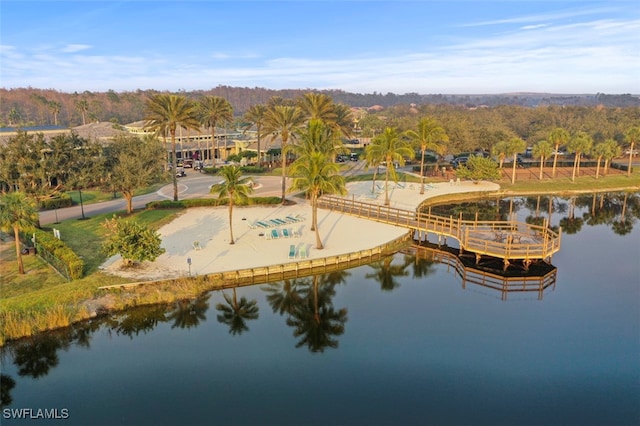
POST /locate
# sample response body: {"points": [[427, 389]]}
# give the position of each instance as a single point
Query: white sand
{"points": [[340, 234]]}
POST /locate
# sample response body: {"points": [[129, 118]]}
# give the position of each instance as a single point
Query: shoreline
{"points": [[184, 287]]}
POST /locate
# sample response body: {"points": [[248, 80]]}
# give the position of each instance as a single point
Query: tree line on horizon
{"points": [[25, 107]]}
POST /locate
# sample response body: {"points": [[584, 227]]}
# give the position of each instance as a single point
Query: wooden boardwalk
{"points": [[506, 240]]}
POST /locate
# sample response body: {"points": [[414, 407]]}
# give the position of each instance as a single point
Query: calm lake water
{"points": [[398, 342]]}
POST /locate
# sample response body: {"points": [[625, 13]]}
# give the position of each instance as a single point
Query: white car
{"points": [[628, 151]]}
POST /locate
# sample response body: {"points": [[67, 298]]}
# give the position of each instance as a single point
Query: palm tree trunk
{"points": [[259, 156], [598, 167], [314, 207], [284, 173], [555, 161], [16, 235], [513, 176], [541, 166], [230, 218], [630, 159], [386, 183], [575, 162], [373, 184], [129, 197], [175, 165], [422, 171]]}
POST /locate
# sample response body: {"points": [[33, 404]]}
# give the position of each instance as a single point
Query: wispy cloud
{"points": [[546, 17], [73, 48], [593, 56]]}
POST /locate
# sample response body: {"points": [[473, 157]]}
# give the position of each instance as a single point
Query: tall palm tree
{"points": [[373, 158], [164, 113], [314, 172], [542, 150], [499, 149], [83, 107], [215, 110], [613, 150], [255, 117], [599, 151], [390, 146], [236, 313], [515, 146], [632, 137], [235, 188], [55, 108], [283, 122], [18, 213], [579, 144], [557, 137], [430, 135]]}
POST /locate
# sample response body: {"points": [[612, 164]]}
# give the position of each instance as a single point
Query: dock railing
{"points": [[502, 239]]}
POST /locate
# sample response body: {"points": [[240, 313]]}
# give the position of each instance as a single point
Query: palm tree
{"points": [[430, 135], [18, 213], [499, 150], [255, 117], [613, 150], [557, 137], [514, 147], [314, 172], [215, 110], [599, 151], [318, 106], [542, 150], [55, 108], [237, 312], [632, 137], [83, 107], [393, 149], [164, 113], [372, 158], [235, 188], [284, 296], [283, 121], [580, 143]]}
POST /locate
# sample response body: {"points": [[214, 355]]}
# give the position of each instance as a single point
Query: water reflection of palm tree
{"points": [[386, 273], [571, 224], [189, 313], [315, 321], [6, 384], [420, 267], [135, 321], [284, 296], [236, 314], [38, 355]]}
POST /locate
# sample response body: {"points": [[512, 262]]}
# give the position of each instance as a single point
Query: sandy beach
{"points": [[202, 234]]}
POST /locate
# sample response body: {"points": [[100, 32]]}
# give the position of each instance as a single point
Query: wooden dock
{"points": [[507, 240]]}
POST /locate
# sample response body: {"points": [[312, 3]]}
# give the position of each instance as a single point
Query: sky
{"points": [[360, 46]]}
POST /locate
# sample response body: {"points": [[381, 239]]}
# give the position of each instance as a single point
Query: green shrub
{"points": [[208, 202], [64, 200], [252, 169], [46, 242]]}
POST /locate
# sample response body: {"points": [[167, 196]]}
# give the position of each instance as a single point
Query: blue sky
{"points": [[452, 47]]}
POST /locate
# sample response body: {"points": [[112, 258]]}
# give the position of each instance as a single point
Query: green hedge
{"points": [[208, 202], [63, 257], [64, 200]]}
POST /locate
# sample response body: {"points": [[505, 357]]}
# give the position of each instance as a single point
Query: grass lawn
{"points": [[41, 299], [91, 196]]}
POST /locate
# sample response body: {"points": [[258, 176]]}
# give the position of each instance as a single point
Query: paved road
{"points": [[194, 185]]}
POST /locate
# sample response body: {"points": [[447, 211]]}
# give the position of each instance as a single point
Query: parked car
{"points": [[354, 157], [456, 162], [628, 151]]}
